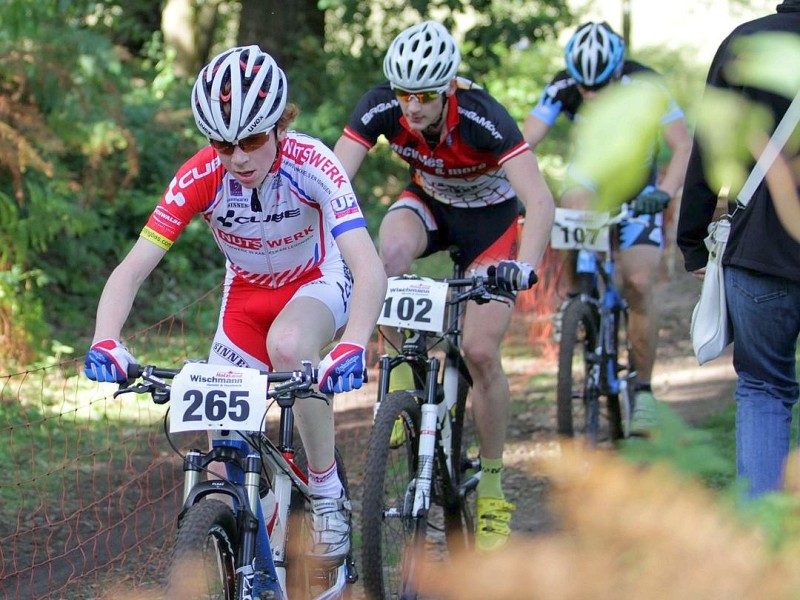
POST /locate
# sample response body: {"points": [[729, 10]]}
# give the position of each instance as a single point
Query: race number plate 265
{"points": [[414, 304], [214, 397], [580, 230]]}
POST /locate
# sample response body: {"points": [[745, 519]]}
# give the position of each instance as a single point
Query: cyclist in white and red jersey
{"points": [[469, 169], [300, 264], [595, 58]]}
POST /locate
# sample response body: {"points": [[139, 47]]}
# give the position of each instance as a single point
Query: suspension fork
{"points": [[426, 451]]}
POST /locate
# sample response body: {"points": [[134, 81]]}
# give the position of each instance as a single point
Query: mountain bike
{"points": [[594, 357], [250, 543], [421, 481]]}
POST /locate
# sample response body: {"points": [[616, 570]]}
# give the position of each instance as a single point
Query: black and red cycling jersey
{"points": [[465, 169]]}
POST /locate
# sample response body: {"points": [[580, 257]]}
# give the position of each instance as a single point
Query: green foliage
{"points": [[692, 452], [329, 79], [106, 136]]}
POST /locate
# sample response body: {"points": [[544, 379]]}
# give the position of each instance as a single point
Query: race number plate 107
{"points": [[414, 304], [580, 230], [215, 397]]}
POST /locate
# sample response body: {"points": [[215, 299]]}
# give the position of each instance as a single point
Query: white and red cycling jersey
{"points": [[305, 202], [278, 240]]}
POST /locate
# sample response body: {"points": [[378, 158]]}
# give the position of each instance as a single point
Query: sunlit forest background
{"points": [[94, 120]]}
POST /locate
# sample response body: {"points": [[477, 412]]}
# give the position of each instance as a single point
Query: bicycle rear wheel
{"points": [[204, 554], [459, 503], [577, 395], [389, 533]]}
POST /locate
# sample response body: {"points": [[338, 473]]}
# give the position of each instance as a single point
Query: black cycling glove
{"points": [[650, 203], [510, 275]]}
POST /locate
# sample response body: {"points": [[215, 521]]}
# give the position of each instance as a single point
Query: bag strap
{"points": [[774, 146]]}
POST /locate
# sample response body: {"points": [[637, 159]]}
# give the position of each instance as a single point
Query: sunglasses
{"points": [[421, 97], [248, 144], [594, 88]]}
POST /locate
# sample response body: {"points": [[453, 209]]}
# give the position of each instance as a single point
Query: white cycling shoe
{"points": [[330, 528]]}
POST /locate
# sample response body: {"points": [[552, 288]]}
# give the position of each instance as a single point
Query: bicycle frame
{"points": [[609, 305], [599, 289], [262, 522], [437, 401]]}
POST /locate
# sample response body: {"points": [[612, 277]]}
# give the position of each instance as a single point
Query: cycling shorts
{"points": [[248, 311], [484, 235], [645, 230]]}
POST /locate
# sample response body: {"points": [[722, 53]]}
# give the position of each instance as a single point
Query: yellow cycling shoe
{"points": [[494, 515]]}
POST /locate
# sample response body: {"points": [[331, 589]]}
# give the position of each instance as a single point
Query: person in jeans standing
{"points": [[762, 281]]}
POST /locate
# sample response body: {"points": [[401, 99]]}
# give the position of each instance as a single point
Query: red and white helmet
{"points": [[242, 91], [421, 58]]}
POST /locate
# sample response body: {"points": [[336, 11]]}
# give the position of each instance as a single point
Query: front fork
{"points": [[255, 568]]}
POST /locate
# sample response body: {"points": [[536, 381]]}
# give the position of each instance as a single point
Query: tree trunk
{"points": [[188, 27], [278, 26]]}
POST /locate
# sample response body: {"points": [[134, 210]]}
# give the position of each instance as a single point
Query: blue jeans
{"points": [[765, 313]]}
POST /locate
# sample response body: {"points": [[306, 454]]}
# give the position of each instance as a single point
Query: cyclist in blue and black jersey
{"points": [[470, 168], [595, 60]]}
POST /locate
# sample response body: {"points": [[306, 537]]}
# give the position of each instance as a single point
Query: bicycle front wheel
{"points": [[389, 532], [204, 555], [577, 396]]}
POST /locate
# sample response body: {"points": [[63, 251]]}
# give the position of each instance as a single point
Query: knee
{"points": [[639, 289], [481, 358], [397, 256], [287, 352]]}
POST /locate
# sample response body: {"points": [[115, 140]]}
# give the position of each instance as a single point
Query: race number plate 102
{"points": [[414, 304], [580, 230], [215, 397]]}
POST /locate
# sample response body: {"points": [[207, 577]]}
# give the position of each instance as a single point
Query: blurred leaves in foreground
{"points": [[768, 61], [625, 531], [616, 139], [730, 126]]}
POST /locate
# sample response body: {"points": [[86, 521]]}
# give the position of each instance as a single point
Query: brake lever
{"points": [[135, 389]]}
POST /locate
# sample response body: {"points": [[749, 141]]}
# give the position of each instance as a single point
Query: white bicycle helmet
{"points": [[594, 54], [242, 91], [422, 58]]}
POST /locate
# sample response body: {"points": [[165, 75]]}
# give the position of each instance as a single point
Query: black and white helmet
{"points": [[242, 91], [594, 54], [424, 57]]}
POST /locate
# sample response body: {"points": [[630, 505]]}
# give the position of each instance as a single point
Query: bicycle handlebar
{"points": [[482, 286], [153, 381]]}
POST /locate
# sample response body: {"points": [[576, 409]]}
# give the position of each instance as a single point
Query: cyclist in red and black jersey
{"points": [[300, 265], [595, 58], [469, 167]]}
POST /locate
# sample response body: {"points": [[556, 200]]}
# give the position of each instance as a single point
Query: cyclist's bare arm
{"points": [[122, 286], [351, 154], [369, 287], [677, 138], [531, 189], [534, 130]]}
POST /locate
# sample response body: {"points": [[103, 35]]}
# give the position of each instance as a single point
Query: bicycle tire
{"points": [[388, 542], [616, 414], [303, 580], [577, 397], [206, 542]]}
